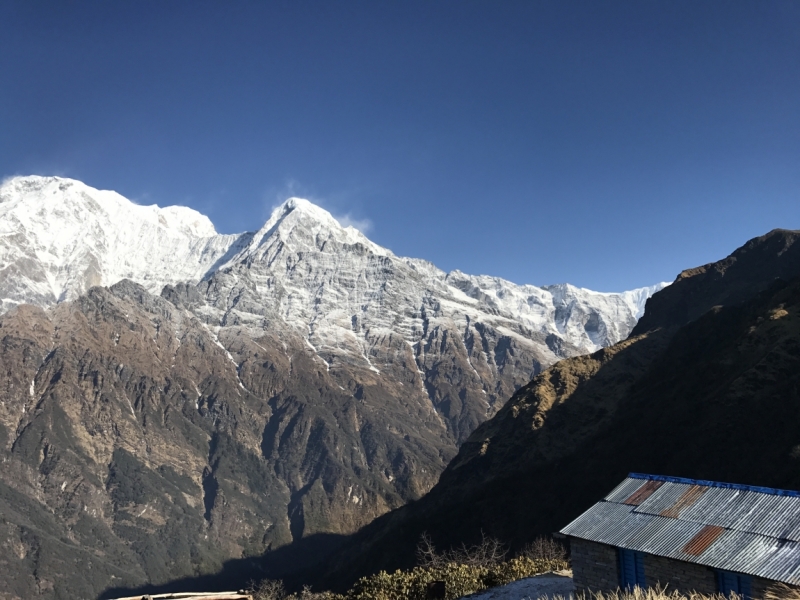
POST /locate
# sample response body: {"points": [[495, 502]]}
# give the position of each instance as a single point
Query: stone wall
{"points": [[678, 575], [594, 566], [688, 577]]}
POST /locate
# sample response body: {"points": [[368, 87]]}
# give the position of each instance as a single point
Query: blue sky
{"points": [[607, 144]]}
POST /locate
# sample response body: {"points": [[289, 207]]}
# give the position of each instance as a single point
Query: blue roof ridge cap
{"points": [[717, 484]]}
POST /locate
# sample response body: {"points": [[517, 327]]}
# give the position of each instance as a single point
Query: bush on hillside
{"points": [[463, 570], [271, 589], [459, 579], [267, 589], [486, 553], [545, 548]]}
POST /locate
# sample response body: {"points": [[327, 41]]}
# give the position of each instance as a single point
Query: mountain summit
{"points": [[60, 237], [312, 221]]}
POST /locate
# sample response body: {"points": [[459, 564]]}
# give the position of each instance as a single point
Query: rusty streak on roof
{"points": [[703, 539], [643, 493], [687, 499]]}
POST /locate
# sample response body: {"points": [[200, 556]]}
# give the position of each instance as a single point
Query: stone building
{"points": [[688, 535]]}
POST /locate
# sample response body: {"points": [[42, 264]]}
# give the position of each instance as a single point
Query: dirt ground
{"points": [[550, 586]]}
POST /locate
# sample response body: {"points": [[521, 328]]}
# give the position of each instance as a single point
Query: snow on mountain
{"points": [[58, 237], [339, 290], [345, 294]]}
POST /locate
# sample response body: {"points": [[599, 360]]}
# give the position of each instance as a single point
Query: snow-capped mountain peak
{"points": [[304, 226], [58, 237], [301, 210], [62, 197]]}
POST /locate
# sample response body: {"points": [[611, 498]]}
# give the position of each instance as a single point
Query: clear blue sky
{"points": [[607, 144]]}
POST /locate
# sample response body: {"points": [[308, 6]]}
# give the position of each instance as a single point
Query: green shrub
{"points": [[460, 579], [520, 568], [464, 570]]}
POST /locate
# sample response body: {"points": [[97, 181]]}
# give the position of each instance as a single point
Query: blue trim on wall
{"points": [[729, 582], [717, 484], [631, 568]]}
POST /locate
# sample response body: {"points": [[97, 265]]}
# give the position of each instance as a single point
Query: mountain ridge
{"points": [[36, 196], [735, 278]]}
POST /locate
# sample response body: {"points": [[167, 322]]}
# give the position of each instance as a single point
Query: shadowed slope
{"points": [[716, 399], [734, 279]]}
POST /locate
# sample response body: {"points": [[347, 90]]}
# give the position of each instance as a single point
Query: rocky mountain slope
{"points": [[708, 387], [226, 395]]}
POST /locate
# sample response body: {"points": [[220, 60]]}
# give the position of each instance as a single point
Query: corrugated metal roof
{"points": [[606, 522], [781, 564], [738, 528], [689, 497], [712, 508], [625, 489], [666, 496], [664, 536], [643, 493]]}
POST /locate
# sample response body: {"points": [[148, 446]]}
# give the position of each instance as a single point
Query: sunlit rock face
{"points": [[171, 398]]}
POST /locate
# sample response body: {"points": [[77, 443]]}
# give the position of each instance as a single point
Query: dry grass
{"points": [[658, 593], [638, 593], [776, 592], [782, 592]]}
